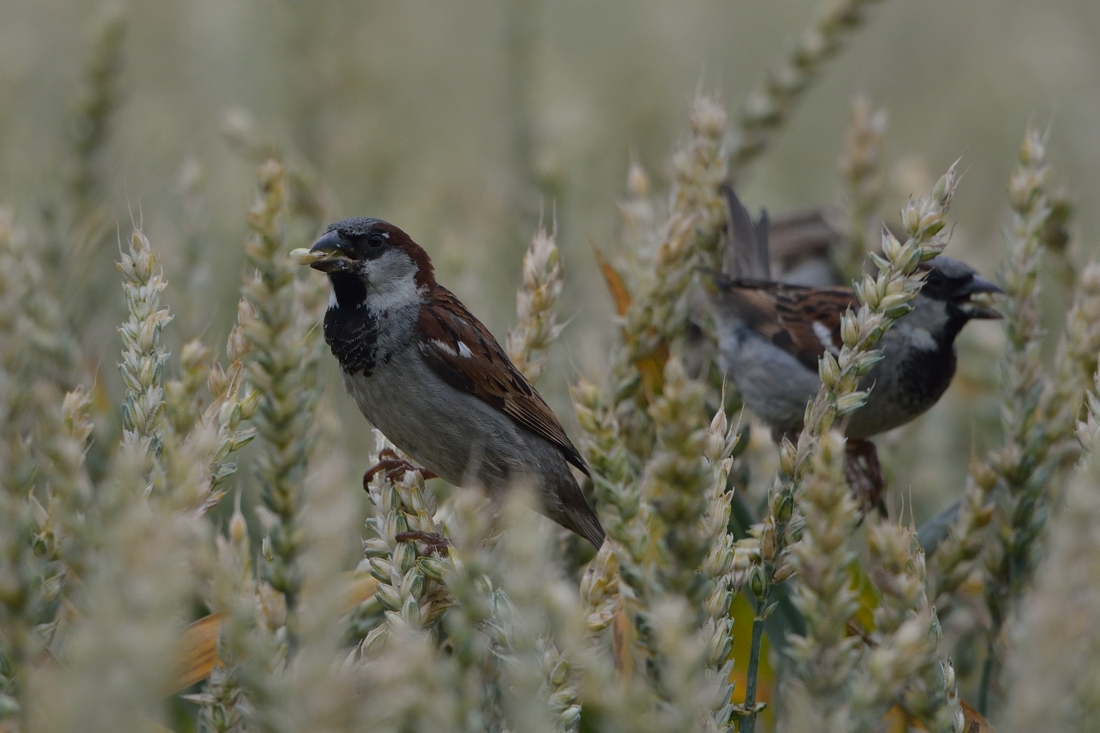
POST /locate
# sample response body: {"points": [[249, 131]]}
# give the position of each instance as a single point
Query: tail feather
{"points": [[586, 524], [747, 252], [576, 514]]}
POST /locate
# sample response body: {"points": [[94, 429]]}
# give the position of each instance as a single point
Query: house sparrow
{"points": [[772, 334], [431, 377]]}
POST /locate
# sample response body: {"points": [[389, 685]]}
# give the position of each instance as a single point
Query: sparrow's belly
{"points": [[777, 387], [774, 384], [457, 436]]}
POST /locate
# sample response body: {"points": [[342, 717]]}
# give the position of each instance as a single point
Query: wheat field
{"points": [[185, 542]]}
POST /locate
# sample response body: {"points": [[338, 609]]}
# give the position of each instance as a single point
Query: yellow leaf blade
{"points": [[198, 651], [742, 613], [615, 285], [622, 641], [651, 368], [973, 721]]}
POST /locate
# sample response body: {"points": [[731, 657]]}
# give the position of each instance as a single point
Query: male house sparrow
{"points": [[772, 334], [431, 377]]}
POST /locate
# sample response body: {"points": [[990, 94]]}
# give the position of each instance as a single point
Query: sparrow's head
{"points": [[372, 262], [954, 283], [944, 305]]}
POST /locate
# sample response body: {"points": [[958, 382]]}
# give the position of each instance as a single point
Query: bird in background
{"points": [[425, 372], [772, 334]]}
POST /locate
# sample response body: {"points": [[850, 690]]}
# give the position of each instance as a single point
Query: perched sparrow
{"points": [[772, 334], [433, 379]]}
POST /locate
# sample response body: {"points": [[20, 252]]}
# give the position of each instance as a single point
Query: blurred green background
{"points": [[460, 122]]}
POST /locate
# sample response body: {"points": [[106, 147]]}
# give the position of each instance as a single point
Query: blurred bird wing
{"points": [[465, 355]]}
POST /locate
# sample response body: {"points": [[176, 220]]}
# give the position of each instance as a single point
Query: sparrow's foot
{"points": [[436, 543], [394, 466], [864, 474]]}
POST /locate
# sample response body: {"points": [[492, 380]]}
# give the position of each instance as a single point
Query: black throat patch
{"points": [[351, 331], [926, 375]]}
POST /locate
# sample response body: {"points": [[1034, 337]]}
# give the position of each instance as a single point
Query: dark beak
{"points": [[340, 253], [978, 286]]}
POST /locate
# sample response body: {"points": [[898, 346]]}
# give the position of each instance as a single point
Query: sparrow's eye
{"points": [[933, 279], [375, 240]]}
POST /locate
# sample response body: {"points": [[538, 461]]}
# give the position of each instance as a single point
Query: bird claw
{"points": [[394, 466], [864, 474], [435, 542]]}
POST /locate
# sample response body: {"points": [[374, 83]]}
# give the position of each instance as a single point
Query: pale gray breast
{"points": [[774, 384], [455, 435]]}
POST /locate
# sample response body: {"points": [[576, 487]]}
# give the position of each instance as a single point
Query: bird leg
{"points": [[394, 466], [436, 543], [864, 474]]}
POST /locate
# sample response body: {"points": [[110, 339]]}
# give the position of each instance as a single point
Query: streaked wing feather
{"points": [[812, 316], [800, 320], [443, 331]]}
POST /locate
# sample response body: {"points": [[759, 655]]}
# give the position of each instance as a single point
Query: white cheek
{"points": [[391, 281], [332, 301], [923, 340], [394, 294]]}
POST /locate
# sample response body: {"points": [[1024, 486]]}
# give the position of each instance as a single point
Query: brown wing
{"points": [[463, 352], [803, 321]]}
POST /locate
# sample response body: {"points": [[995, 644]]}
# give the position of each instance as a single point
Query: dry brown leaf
{"points": [[614, 280], [899, 721], [621, 642], [974, 722], [198, 651], [652, 370], [198, 645], [652, 367]]}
